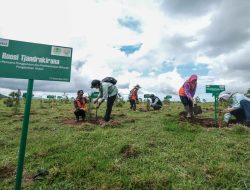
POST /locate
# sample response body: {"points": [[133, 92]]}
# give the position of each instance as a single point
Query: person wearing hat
{"points": [[156, 103], [108, 92], [238, 106], [133, 97], [80, 105]]}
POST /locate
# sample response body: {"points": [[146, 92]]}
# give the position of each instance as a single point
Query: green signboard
{"points": [[94, 95], [168, 97], [215, 89], [147, 95], [27, 60]]}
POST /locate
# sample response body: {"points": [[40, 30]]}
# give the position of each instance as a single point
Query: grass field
{"points": [[141, 150]]}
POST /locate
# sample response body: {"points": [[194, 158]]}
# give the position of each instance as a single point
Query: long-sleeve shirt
{"points": [[186, 90], [234, 102], [155, 101], [107, 90]]}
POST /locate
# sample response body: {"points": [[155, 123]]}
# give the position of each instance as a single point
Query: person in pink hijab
{"points": [[186, 94]]}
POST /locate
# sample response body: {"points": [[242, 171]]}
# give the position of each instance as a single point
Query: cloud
{"points": [[123, 86], [78, 64], [229, 28], [190, 8], [131, 23], [179, 38], [233, 69]]}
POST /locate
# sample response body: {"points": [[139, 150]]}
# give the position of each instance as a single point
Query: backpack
{"points": [[110, 80]]}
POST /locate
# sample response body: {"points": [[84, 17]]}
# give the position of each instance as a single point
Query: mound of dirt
{"points": [[7, 171], [204, 122], [128, 151], [143, 110]]}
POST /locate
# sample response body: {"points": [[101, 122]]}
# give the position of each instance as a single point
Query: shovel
{"points": [[197, 109], [96, 113]]}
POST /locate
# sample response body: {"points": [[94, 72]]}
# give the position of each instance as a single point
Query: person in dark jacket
{"points": [[80, 106], [156, 103]]}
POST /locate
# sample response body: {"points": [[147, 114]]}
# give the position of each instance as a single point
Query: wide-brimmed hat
{"points": [[137, 86], [225, 95]]}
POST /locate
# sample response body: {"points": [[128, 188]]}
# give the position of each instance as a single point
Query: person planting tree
{"points": [[238, 106], [80, 106], [186, 94], [133, 97], [156, 103], [108, 91]]}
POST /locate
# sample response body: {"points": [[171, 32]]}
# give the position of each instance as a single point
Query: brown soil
{"points": [[128, 151], [142, 109], [204, 122], [7, 171]]}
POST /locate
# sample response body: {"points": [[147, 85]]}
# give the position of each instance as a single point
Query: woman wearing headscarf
{"points": [[186, 94], [238, 106]]}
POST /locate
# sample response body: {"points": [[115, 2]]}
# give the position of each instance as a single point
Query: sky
{"points": [[157, 44]]}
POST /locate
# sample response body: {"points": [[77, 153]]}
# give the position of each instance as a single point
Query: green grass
{"points": [[148, 150]]}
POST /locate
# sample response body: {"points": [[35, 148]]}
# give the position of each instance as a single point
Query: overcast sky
{"points": [[155, 43]]}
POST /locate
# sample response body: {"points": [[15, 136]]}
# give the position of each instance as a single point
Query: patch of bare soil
{"points": [[143, 109], [7, 171], [204, 122], [129, 151]]}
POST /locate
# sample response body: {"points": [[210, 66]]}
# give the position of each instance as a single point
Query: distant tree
{"points": [[13, 101], [204, 100]]}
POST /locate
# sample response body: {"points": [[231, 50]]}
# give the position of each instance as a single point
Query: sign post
{"points": [[24, 135], [147, 96], [25, 60], [215, 90]]}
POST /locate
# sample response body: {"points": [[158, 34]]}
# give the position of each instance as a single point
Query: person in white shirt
{"points": [[108, 91], [238, 106]]}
